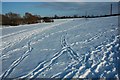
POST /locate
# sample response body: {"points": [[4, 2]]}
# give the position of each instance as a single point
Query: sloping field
{"points": [[68, 48]]}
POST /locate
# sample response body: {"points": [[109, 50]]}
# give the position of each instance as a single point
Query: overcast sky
{"points": [[59, 8]]}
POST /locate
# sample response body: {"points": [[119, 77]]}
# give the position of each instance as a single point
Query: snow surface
{"points": [[67, 48]]}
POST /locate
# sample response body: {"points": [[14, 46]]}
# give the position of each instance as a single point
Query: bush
{"points": [[46, 19], [14, 19]]}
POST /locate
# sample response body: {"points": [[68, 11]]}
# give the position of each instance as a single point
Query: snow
{"points": [[66, 48]]}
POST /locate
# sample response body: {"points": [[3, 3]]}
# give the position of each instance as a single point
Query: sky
{"points": [[59, 8], [60, 0]]}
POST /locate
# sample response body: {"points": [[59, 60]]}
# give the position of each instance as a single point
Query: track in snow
{"points": [[98, 61], [17, 62], [41, 68]]}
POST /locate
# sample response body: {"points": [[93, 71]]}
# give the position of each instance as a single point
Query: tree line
{"points": [[14, 19]]}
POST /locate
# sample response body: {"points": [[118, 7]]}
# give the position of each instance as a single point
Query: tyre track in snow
{"points": [[46, 64], [28, 35], [69, 71], [21, 36], [51, 34], [46, 36], [69, 49], [60, 31], [16, 33], [58, 54], [16, 62], [26, 54], [34, 26], [73, 55], [31, 44], [1, 37]]}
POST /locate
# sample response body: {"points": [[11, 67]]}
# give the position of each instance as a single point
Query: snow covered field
{"points": [[68, 48]]}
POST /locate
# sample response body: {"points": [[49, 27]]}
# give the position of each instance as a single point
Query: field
{"points": [[66, 48]]}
